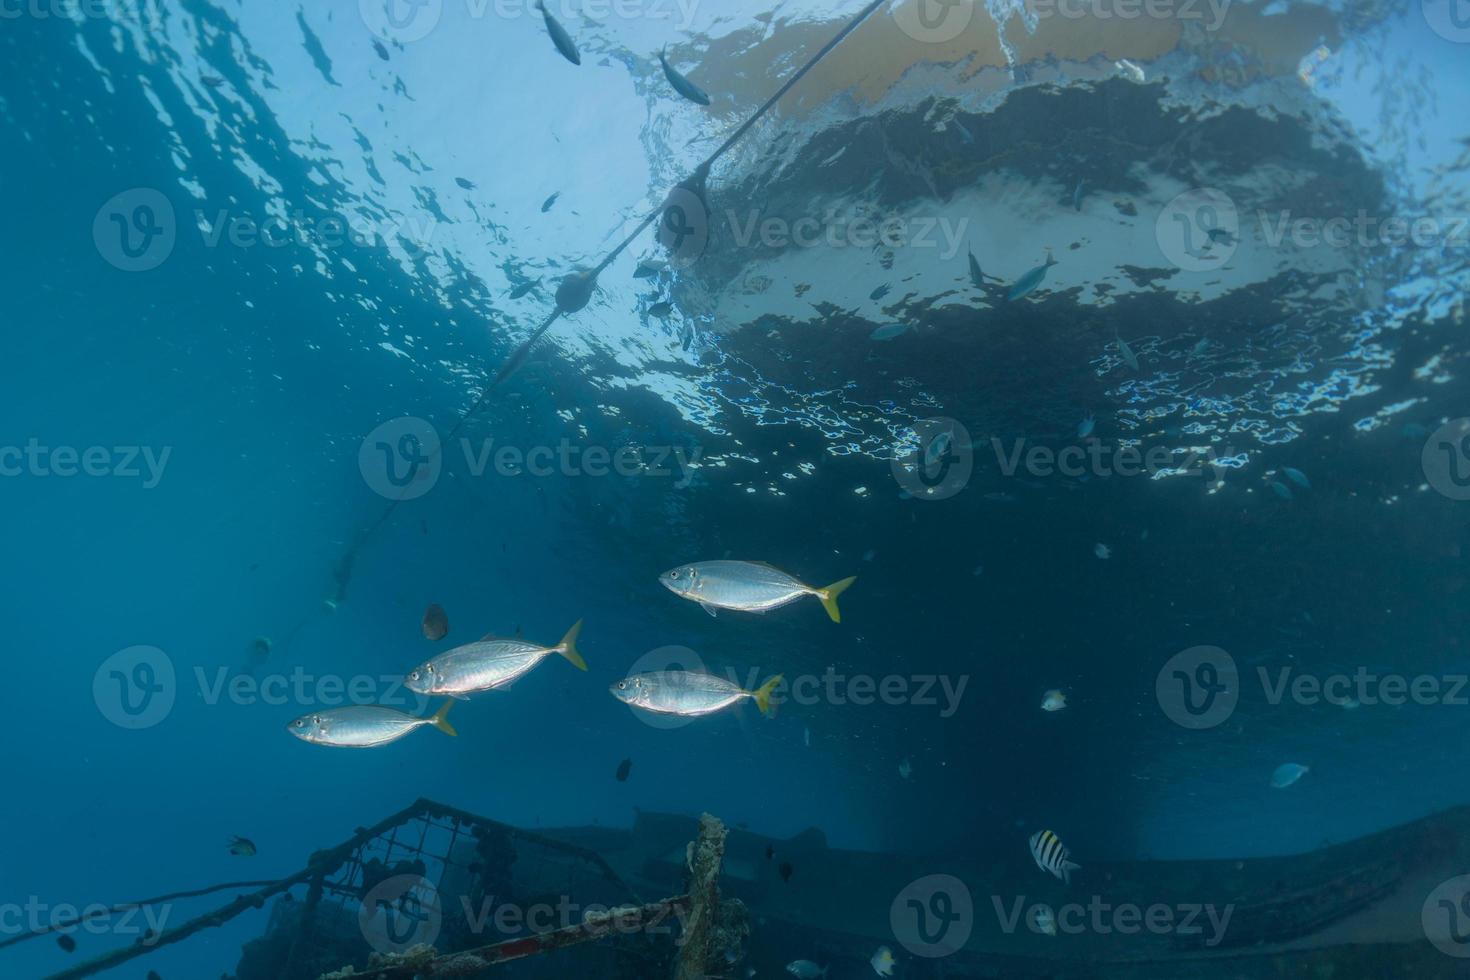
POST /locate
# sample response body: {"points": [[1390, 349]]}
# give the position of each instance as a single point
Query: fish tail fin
{"points": [[829, 597], [762, 694], [1067, 868], [568, 647], [440, 719]]}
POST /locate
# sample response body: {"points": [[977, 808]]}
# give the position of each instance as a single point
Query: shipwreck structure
{"points": [[432, 891]]}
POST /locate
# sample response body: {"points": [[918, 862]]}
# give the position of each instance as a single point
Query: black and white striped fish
{"points": [[1052, 855]]}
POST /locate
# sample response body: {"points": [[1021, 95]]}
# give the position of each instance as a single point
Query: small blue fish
{"points": [[1297, 476], [1077, 197], [1085, 427], [468, 185], [879, 293], [681, 84], [965, 135], [550, 202], [524, 288], [889, 331], [1281, 490], [1200, 347], [1129, 358], [1030, 280], [1288, 774], [661, 310], [559, 35]]}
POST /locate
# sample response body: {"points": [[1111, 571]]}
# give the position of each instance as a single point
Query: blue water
{"points": [[260, 370]]}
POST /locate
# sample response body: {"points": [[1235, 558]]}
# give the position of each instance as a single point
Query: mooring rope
{"points": [[577, 287]]}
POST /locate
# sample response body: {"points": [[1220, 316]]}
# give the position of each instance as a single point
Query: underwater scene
{"points": [[687, 489]]}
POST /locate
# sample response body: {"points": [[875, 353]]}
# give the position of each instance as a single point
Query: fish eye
{"points": [[413, 676], [622, 685], [300, 722]]}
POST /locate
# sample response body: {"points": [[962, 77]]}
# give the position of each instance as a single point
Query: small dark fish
{"points": [[66, 943], [254, 565], [976, 276], [153, 975], [661, 310], [436, 623], [242, 847], [770, 851], [624, 768], [468, 185], [260, 649], [524, 288], [210, 81], [880, 292], [382, 51], [1077, 197], [786, 869], [559, 36], [547, 204], [681, 84], [1221, 236]]}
